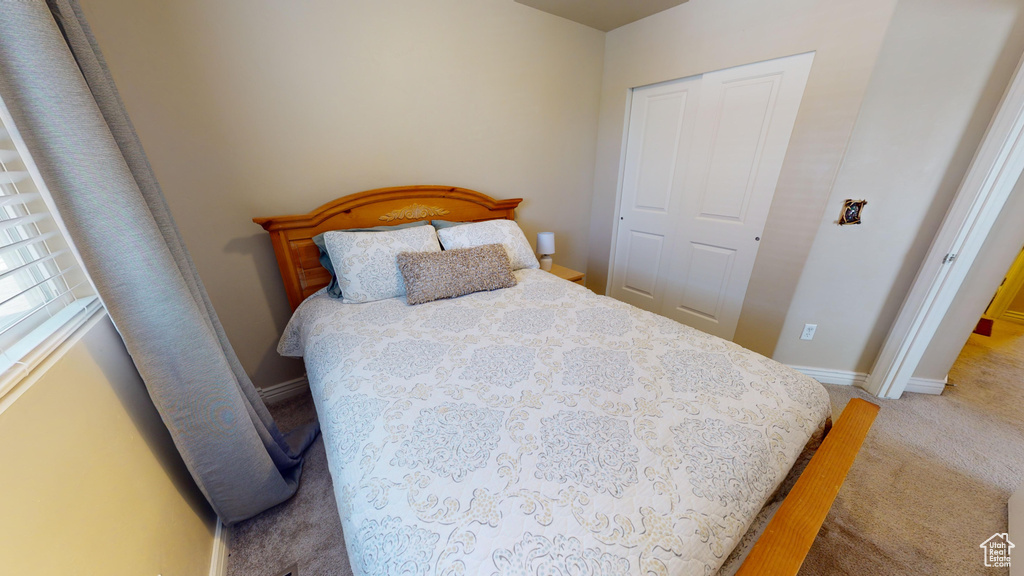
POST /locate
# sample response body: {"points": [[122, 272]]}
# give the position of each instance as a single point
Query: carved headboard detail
{"points": [[298, 257]]}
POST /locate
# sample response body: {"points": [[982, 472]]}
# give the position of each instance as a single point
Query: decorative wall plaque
{"points": [[851, 211]]}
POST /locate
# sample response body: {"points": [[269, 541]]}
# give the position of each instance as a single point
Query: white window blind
{"points": [[43, 290]]}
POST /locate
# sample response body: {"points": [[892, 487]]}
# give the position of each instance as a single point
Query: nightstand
{"points": [[567, 274]]}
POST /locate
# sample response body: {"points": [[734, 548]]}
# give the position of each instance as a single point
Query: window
{"points": [[44, 293]]}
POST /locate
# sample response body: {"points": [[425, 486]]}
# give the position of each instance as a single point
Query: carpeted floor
{"points": [[932, 480], [930, 484], [304, 531]]}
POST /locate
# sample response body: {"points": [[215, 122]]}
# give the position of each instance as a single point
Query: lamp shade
{"points": [[546, 243]]}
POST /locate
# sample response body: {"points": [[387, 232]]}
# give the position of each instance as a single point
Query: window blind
{"points": [[42, 286]]}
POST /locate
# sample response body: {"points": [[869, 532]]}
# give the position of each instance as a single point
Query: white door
{"points": [[698, 180], [660, 131]]}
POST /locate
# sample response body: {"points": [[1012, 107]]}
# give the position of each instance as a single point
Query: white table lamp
{"points": [[545, 247]]}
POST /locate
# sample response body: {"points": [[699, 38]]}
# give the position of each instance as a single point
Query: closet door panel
{"points": [[703, 157], [658, 138], [744, 120]]}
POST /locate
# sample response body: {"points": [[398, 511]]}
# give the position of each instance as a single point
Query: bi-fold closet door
{"points": [[703, 156]]}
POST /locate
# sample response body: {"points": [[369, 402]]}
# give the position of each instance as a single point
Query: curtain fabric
{"points": [[60, 93]]}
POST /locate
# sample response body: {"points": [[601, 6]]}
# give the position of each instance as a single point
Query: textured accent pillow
{"points": [[366, 262], [325, 260], [504, 232], [432, 276]]}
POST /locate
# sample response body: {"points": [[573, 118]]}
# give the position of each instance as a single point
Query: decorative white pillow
{"points": [[367, 262], [504, 232]]}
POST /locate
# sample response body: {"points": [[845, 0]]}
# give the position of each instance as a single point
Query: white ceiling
{"points": [[602, 14]]}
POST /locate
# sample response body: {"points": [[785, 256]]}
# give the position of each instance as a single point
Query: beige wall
{"points": [[91, 481], [897, 102], [705, 35], [940, 74], [263, 108]]}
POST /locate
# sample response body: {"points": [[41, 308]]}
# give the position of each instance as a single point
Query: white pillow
{"points": [[504, 232], [366, 263]]}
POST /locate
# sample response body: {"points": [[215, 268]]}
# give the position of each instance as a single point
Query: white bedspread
{"points": [[543, 429]]}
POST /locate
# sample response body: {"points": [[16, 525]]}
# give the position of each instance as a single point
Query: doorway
{"points": [[989, 182], [1008, 303], [703, 156]]}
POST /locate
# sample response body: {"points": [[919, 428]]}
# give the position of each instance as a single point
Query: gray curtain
{"points": [[64, 102]]}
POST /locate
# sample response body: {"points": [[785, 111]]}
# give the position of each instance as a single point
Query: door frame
{"points": [[618, 184], [991, 177]]}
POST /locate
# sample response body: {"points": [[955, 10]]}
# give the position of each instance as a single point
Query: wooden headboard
{"points": [[299, 258]]}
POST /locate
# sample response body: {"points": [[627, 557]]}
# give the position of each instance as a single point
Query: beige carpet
{"points": [[932, 480], [930, 484], [304, 531]]}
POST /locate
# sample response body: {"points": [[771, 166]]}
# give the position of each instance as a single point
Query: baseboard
{"points": [[926, 385], [1013, 316], [284, 390], [826, 376], [848, 378], [219, 560]]}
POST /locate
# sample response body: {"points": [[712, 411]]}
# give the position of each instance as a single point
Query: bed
{"points": [[543, 429]]}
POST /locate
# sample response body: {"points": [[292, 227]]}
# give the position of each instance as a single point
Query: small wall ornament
{"points": [[851, 211]]}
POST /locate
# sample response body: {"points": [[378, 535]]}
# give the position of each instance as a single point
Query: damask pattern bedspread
{"points": [[543, 429]]}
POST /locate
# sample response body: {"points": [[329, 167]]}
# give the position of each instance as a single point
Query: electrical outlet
{"points": [[808, 333]]}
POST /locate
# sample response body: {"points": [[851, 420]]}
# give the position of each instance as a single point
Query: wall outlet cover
{"points": [[808, 333]]}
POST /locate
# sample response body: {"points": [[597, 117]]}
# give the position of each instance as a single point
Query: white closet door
{"points": [[721, 193], [661, 121]]}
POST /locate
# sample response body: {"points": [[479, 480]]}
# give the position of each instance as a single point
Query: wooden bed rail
{"points": [[782, 548]]}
